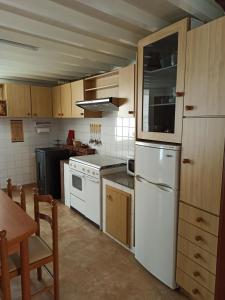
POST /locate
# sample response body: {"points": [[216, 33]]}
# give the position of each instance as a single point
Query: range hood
{"points": [[104, 104]]}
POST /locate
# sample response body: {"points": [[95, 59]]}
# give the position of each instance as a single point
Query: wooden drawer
{"points": [[198, 237], [202, 276], [192, 287], [199, 218], [198, 255]]}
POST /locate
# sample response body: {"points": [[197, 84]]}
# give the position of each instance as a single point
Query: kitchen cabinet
{"points": [[205, 71], [66, 100], [56, 101], [127, 91], [41, 99], [161, 70], [77, 90], [118, 214], [202, 162], [18, 100]]}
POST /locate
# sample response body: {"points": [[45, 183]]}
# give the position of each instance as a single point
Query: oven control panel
{"points": [[80, 167]]}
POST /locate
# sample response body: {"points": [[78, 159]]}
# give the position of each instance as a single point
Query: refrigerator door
{"points": [[156, 229], [158, 163]]}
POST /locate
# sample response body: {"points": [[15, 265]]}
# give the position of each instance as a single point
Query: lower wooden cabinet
{"points": [[41, 99], [18, 100], [118, 214]]}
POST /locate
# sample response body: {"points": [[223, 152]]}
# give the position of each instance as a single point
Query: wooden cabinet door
{"points": [[127, 91], [118, 210], [18, 100], [66, 100], [77, 88], [205, 72], [41, 98], [202, 162], [161, 70], [56, 102]]}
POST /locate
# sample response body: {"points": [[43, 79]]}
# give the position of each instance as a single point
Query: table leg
{"points": [[25, 272]]}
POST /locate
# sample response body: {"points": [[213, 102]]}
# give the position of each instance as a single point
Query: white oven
{"points": [[85, 194]]}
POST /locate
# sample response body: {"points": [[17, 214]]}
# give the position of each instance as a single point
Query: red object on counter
{"points": [[70, 137]]}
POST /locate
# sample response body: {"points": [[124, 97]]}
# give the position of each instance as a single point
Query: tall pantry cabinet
{"points": [[201, 229]]}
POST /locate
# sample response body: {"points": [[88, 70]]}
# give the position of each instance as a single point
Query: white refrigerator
{"points": [[156, 206]]}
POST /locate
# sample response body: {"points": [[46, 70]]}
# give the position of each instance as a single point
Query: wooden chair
{"points": [[40, 253], [22, 202]]}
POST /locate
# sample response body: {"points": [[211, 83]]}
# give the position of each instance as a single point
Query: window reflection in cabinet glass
{"points": [[159, 85]]}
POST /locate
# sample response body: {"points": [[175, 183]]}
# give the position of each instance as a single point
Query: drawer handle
{"points": [[179, 94], [195, 291], [186, 161], [189, 107], [197, 255], [130, 112], [198, 238], [199, 220], [196, 274]]}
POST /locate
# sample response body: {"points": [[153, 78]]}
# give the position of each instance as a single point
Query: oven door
{"points": [[92, 197], [77, 184]]}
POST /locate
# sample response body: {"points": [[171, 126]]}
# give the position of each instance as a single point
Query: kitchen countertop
{"points": [[121, 178]]}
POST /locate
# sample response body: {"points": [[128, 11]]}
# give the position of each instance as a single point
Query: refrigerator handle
{"points": [[161, 186]]}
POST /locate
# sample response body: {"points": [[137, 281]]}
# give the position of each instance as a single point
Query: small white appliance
{"points": [[85, 182], [156, 206], [130, 166]]}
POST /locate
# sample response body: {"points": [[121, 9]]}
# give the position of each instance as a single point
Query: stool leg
{"points": [[39, 274]]}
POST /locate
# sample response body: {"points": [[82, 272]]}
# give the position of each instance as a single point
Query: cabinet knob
{"points": [[81, 114], [179, 94], [61, 114], [189, 107], [186, 161], [195, 291], [109, 197], [130, 112], [28, 114], [198, 238], [34, 114], [199, 220], [197, 255], [196, 274]]}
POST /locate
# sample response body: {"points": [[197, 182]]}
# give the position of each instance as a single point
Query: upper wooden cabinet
{"points": [[41, 98], [77, 88], [202, 162], [56, 102], [127, 91], [18, 100], [161, 70], [205, 71], [66, 100], [118, 214]]}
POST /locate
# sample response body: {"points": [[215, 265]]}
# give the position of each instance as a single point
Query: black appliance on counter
{"points": [[48, 170]]}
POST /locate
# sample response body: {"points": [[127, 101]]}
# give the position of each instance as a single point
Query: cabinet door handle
{"points": [[28, 114], [198, 238], [195, 291], [61, 114], [130, 112], [81, 114], [199, 220], [179, 94], [197, 255], [189, 107], [34, 114], [196, 274], [109, 197], [186, 161]]}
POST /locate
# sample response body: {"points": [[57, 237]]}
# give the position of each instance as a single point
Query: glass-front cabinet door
{"points": [[161, 69]]}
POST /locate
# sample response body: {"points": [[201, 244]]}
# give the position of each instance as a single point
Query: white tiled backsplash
{"points": [[117, 134], [17, 160]]}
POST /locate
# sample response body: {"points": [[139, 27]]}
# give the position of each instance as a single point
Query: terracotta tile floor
{"points": [[94, 267]]}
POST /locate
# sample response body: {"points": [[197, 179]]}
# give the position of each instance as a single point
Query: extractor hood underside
{"points": [[105, 104]]}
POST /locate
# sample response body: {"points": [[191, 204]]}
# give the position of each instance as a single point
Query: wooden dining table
{"points": [[19, 226]]}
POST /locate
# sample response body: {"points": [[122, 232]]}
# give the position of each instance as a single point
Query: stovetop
{"points": [[98, 161]]}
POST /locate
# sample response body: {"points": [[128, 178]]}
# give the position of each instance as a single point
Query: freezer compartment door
{"points": [[156, 230], [158, 165]]}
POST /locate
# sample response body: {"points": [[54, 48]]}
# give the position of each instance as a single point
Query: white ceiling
{"points": [[72, 39]]}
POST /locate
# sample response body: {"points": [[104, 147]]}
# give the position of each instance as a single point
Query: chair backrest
{"points": [[22, 202], [51, 219], [5, 278]]}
